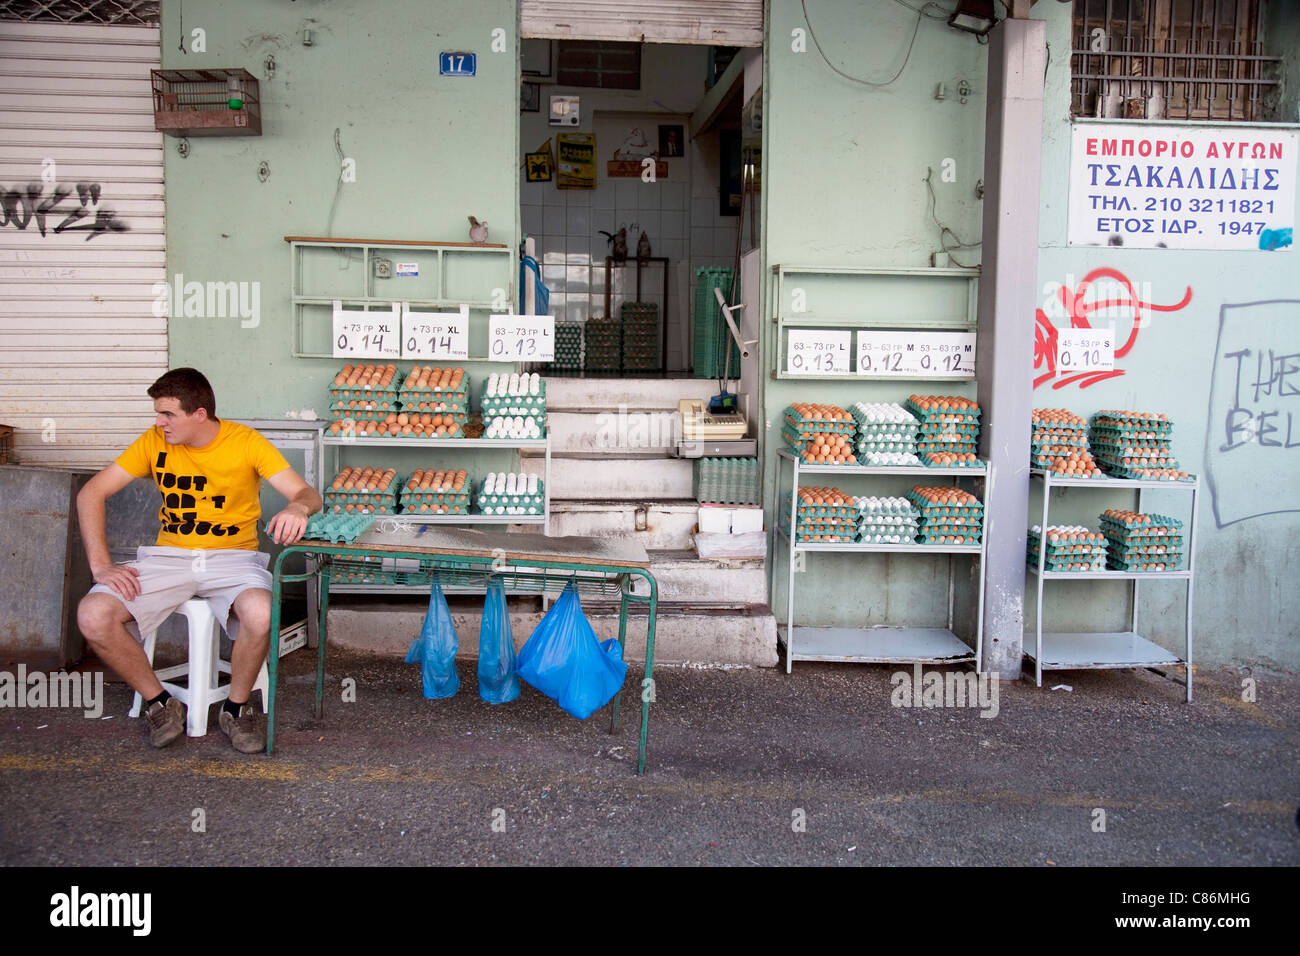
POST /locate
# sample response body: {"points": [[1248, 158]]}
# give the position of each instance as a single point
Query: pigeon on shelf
{"points": [[478, 231], [619, 252], [643, 247]]}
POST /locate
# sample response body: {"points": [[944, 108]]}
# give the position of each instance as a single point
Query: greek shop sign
{"points": [[1182, 187]]}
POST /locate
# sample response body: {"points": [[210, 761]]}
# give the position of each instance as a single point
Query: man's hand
{"points": [[288, 526], [122, 578]]}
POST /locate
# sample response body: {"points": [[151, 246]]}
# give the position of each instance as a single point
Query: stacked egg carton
{"points": [[1135, 445], [511, 494], [514, 406], [886, 434], [948, 515], [1069, 548], [436, 492], [604, 344], [356, 490], [640, 336], [337, 528], [887, 520], [820, 434], [726, 481], [361, 569], [1142, 542], [948, 432], [361, 398], [568, 346], [825, 516], [435, 401], [1059, 444]]}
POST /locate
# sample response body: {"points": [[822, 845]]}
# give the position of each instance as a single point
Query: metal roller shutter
{"points": [[716, 22], [82, 239]]}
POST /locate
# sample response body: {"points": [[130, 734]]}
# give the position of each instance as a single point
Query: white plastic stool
{"points": [[204, 668]]}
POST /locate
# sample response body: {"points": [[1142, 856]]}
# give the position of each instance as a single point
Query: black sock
{"points": [[232, 708], [160, 699]]}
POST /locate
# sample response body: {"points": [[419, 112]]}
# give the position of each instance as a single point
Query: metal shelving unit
{"points": [[1110, 649], [884, 644]]}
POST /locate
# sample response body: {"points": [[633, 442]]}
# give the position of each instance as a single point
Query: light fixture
{"points": [[974, 16]]}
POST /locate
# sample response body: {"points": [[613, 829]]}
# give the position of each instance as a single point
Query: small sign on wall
{"points": [[914, 354], [521, 338], [457, 64], [435, 335], [362, 334], [818, 352]]}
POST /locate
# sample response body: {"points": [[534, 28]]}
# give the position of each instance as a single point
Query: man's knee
{"points": [[100, 616], [253, 608]]}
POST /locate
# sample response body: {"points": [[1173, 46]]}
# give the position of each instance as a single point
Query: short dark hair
{"points": [[188, 386]]}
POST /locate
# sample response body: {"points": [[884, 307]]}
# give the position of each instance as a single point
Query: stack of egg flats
{"points": [[1069, 548], [726, 481], [947, 515], [603, 344], [356, 490], [511, 494], [1135, 445], [1059, 444], [568, 347], [886, 434], [949, 430], [825, 516], [887, 520], [431, 491], [1142, 542], [337, 528], [514, 406], [820, 434], [435, 403], [361, 397]]}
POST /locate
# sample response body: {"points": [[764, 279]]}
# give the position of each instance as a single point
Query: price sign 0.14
{"points": [[818, 352], [916, 354], [435, 335], [361, 334], [1085, 350], [522, 338]]}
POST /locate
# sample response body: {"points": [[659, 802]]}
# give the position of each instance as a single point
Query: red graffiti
{"points": [[1045, 333]]}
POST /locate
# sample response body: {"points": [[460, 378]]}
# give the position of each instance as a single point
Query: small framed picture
{"points": [[671, 141], [538, 166], [530, 97]]}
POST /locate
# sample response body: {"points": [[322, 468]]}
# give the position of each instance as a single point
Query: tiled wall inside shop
{"points": [[566, 223]]}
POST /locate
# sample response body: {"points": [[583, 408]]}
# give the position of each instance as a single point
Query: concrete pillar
{"points": [[1013, 139]]}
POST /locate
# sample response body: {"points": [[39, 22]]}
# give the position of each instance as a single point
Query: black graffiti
{"points": [[19, 206]]}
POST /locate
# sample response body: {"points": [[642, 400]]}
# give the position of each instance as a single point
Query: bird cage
{"points": [[206, 103]]}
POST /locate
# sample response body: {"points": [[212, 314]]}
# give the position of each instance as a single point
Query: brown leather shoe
{"points": [[247, 732], [166, 722]]}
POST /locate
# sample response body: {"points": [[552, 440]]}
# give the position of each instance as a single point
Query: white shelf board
{"points": [[1091, 651], [876, 645], [1057, 482], [925, 470], [1111, 575], [906, 548]]}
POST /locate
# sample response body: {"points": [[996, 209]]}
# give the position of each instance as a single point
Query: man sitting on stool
{"points": [[208, 471]]}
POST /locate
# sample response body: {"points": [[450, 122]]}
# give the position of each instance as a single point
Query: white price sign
{"points": [[818, 352], [1085, 350], [522, 338], [916, 354], [435, 335], [361, 334]]}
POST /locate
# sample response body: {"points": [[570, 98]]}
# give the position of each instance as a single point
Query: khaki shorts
{"points": [[171, 576]]}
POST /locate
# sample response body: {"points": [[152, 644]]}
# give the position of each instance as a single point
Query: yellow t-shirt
{"points": [[210, 494]]}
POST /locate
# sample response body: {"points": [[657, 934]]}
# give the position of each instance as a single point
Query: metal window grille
{"points": [[122, 12], [1172, 59], [601, 64]]}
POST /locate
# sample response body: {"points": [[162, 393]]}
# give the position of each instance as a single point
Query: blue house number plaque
{"points": [[457, 64]]}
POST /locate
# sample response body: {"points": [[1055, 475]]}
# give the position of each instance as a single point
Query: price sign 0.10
{"points": [[818, 352], [521, 338], [362, 334], [916, 354], [1085, 350], [435, 335]]}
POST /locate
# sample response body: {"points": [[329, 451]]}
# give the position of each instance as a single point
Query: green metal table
{"points": [[394, 552]]}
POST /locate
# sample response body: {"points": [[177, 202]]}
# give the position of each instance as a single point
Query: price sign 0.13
{"points": [[1085, 350], [818, 352], [916, 354], [522, 338], [435, 335], [361, 334]]}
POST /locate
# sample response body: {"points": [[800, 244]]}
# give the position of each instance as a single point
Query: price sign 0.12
{"points": [[361, 334], [818, 352], [522, 338], [435, 335], [1085, 350], [916, 354]]}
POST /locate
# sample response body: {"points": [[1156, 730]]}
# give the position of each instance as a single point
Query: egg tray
{"points": [[922, 415], [1136, 474], [887, 538], [806, 429], [825, 512], [344, 393], [883, 437], [902, 526], [1072, 442], [1127, 430], [337, 529], [860, 416], [1140, 553], [363, 509], [1094, 564], [357, 497], [1171, 565], [1067, 547], [513, 405], [930, 463], [926, 537], [443, 508], [931, 429], [885, 447], [522, 507], [1157, 525], [846, 528], [342, 413], [962, 448], [820, 424], [411, 496], [879, 459], [955, 522], [436, 408]]}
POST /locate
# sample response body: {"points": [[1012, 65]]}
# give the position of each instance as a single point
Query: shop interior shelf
{"points": [[1086, 651], [876, 645]]}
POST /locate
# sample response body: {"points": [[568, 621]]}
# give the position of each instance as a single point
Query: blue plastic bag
{"points": [[435, 648], [497, 681], [565, 662]]}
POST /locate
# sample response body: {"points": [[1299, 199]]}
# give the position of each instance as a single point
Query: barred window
{"points": [[602, 64], [1172, 59], [128, 12]]}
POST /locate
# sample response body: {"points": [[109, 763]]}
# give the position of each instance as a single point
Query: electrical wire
{"points": [[345, 255], [907, 56], [944, 231]]}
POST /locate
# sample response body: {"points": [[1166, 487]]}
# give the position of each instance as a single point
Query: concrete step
{"points": [[608, 394], [631, 477], [614, 432], [683, 635], [668, 524], [683, 577]]}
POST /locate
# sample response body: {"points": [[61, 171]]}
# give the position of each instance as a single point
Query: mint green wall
{"points": [[429, 151]]}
